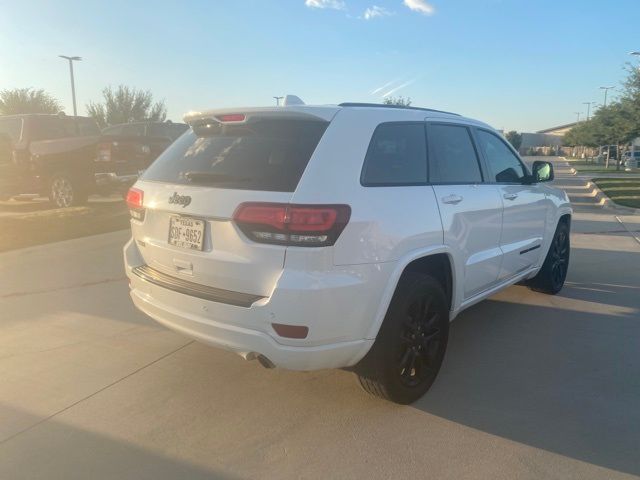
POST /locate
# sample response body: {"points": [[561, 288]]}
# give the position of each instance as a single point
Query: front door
{"points": [[525, 206], [471, 210]]}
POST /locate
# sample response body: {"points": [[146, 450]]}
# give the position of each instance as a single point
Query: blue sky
{"points": [[516, 64]]}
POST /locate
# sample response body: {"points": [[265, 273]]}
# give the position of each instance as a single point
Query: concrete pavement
{"points": [[533, 386]]}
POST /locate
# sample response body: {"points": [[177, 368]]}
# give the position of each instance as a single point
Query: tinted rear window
{"points": [[49, 128], [266, 155]]}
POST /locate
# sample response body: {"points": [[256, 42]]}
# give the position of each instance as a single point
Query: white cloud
{"points": [[386, 85], [420, 6], [376, 11], [333, 4], [399, 87]]}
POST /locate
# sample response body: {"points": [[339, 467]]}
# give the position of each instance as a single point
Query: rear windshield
{"points": [[266, 155], [49, 128]]}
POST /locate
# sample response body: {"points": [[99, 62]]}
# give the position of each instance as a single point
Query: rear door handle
{"points": [[453, 199], [510, 196]]}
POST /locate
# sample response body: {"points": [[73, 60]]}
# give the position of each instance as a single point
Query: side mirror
{"points": [[542, 171]]}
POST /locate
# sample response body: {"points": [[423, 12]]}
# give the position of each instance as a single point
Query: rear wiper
{"points": [[212, 177]]}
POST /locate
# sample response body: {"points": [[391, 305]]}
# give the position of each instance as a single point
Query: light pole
{"points": [[73, 86], [578, 114], [588, 104], [606, 89], [278, 100]]}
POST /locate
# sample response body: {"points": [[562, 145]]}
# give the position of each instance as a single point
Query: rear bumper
{"points": [[249, 343], [339, 308]]}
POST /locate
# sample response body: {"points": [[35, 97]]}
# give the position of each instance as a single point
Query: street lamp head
{"points": [[606, 88], [70, 58]]}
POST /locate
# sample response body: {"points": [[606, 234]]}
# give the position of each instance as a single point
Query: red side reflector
{"points": [[290, 331], [135, 198], [231, 117]]}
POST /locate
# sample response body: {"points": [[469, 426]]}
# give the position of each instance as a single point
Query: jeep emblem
{"points": [[183, 200]]}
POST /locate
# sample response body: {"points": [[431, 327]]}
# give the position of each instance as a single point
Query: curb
{"points": [[572, 171], [605, 201]]}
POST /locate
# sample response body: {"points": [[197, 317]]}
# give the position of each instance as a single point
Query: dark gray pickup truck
{"points": [[128, 148], [51, 155], [67, 158]]}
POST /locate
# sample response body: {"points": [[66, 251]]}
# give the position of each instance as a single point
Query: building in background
{"points": [[546, 142]]}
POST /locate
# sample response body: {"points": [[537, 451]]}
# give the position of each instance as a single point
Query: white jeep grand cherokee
{"points": [[312, 237]]}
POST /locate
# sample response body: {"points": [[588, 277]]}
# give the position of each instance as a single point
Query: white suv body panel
{"points": [[340, 292]]}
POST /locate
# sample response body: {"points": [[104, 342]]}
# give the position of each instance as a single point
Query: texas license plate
{"points": [[186, 232]]}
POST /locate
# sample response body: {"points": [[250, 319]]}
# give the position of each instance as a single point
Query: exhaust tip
{"points": [[265, 362]]}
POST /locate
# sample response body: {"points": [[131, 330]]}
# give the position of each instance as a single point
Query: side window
{"points": [[47, 128], [12, 127], [504, 165], [452, 157], [397, 155], [133, 129], [115, 130]]}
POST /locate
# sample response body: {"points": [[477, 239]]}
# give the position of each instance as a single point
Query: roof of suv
{"points": [[323, 112], [149, 122], [384, 105], [44, 115]]}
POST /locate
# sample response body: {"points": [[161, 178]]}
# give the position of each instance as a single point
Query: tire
{"points": [[65, 191], [408, 352], [550, 279]]}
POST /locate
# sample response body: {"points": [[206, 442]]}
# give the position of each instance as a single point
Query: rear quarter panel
{"points": [[386, 222]]}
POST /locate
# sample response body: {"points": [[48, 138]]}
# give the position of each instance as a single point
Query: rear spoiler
{"points": [[239, 116]]}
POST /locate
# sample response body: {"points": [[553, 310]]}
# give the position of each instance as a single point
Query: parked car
{"points": [[347, 236], [631, 158], [127, 149], [51, 155]]}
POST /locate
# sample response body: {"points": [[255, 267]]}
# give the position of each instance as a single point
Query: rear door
{"points": [[203, 177], [525, 206], [471, 210]]}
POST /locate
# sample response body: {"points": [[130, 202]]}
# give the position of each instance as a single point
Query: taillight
{"points": [[285, 224], [135, 199], [104, 152]]}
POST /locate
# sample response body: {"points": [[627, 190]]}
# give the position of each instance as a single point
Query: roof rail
{"points": [[383, 105]]}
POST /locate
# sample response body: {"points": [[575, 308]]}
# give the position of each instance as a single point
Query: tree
{"points": [[514, 138], [126, 104], [27, 100], [616, 124], [400, 101]]}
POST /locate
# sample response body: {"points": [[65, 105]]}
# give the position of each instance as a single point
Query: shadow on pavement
{"points": [[560, 380], [63, 451]]}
